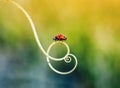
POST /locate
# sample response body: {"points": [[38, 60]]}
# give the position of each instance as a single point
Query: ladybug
{"points": [[60, 37]]}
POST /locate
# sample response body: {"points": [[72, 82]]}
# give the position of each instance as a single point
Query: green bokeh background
{"points": [[93, 31]]}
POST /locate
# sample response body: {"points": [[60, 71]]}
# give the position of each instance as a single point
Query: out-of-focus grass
{"points": [[92, 28]]}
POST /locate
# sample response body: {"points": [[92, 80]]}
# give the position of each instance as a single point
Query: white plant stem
{"points": [[40, 46]]}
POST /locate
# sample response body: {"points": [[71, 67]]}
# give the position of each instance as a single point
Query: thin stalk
{"points": [[50, 46], [35, 32]]}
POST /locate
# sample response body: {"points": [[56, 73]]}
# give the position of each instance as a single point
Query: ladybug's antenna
{"points": [[67, 58]]}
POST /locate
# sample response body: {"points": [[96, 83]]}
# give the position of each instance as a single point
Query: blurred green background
{"points": [[93, 31]]}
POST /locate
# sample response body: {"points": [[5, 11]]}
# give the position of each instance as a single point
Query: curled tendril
{"points": [[67, 58]]}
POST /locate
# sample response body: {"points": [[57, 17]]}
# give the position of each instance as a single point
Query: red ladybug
{"points": [[60, 37]]}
